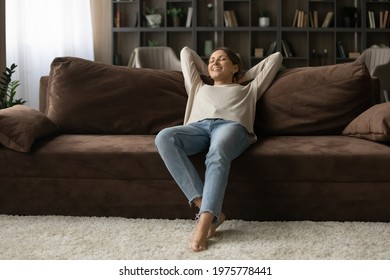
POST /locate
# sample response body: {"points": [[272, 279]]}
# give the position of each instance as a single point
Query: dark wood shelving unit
{"points": [[310, 45]]}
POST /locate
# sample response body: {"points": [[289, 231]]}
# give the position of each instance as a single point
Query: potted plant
{"points": [[348, 14], [175, 14], [8, 89], [153, 43], [153, 18], [264, 19]]}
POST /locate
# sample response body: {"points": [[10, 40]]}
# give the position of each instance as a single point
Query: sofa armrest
{"points": [[382, 73], [43, 98]]}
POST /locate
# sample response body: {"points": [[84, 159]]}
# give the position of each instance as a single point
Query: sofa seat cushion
{"points": [[89, 156], [134, 157], [308, 159]]}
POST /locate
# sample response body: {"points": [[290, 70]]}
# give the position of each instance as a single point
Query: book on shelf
{"points": [[371, 19], [384, 19], [189, 17], [287, 49], [136, 20], [300, 19], [118, 19], [295, 19], [272, 48], [230, 18], [340, 49], [314, 18], [305, 19], [328, 19], [311, 17], [381, 20]]}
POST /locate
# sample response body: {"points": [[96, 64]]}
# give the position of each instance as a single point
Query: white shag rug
{"points": [[93, 238]]}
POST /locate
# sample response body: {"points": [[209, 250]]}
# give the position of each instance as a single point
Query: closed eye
{"points": [[222, 58]]}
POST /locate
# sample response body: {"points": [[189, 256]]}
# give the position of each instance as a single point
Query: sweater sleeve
{"points": [[263, 73], [192, 66]]}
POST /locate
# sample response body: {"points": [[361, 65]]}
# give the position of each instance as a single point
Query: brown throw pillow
{"points": [[20, 126], [319, 100], [373, 124], [96, 98]]}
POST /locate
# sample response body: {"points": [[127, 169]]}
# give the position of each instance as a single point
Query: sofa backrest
{"points": [[86, 97]]}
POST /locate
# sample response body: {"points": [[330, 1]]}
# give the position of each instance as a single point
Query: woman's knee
{"points": [[229, 143], [163, 137]]}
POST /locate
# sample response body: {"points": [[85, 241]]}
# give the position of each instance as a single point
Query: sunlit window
{"points": [[38, 31]]}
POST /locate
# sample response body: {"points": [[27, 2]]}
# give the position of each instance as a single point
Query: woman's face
{"points": [[221, 68]]}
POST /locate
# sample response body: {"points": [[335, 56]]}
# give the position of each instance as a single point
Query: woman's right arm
{"points": [[192, 66]]}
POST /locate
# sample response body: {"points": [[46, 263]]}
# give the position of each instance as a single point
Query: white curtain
{"points": [[37, 31]]}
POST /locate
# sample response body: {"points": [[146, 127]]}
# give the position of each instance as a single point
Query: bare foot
{"points": [[213, 227], [199, 238]]}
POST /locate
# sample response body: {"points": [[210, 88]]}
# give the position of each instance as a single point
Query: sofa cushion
{"points": [[314, 100], [87, 97], [373, 124], [20, 126], [283, 159]]}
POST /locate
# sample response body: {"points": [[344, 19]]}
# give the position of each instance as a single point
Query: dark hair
{"points": [[235, 60]]}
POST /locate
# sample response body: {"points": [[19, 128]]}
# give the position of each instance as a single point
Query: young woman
{"points": [[219, 119]]}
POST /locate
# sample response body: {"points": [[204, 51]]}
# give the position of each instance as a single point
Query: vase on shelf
{"points": [[208, 47], [263, 21], [154, 20]]}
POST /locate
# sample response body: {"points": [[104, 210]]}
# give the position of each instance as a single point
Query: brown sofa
{"points": [[322, 153]]}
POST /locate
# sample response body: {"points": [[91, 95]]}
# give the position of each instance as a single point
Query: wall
{"points": [[2, 36]]}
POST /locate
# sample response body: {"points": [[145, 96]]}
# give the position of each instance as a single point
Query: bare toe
{"points": [[197, 246]]}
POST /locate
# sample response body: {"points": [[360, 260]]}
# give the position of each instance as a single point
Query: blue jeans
{"points": [[224, 141]]}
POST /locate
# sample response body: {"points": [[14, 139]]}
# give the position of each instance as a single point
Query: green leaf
{"points": [[8, 88]]}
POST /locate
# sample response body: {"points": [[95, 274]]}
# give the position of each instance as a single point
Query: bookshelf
{"points": [[314, 41]]}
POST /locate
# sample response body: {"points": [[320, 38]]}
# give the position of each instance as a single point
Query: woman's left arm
{"points": [[264, 73]]}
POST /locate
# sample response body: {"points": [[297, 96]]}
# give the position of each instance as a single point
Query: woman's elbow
{"points": [[184, 52], [278, 58]]}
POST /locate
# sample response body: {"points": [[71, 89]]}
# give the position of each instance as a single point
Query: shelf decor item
{"points": [[259, 52], [176, 14], [348, 14], [264, 19], [153, 18], [208, 47], [210, 8]]}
